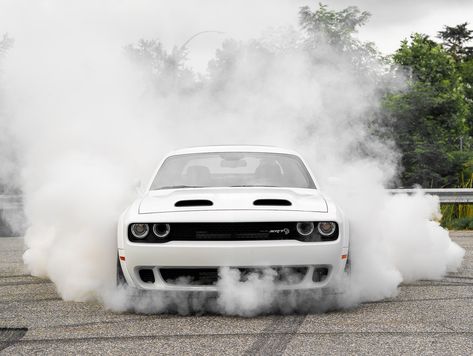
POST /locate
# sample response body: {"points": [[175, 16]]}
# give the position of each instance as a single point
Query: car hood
{"points": [[295, 199]]}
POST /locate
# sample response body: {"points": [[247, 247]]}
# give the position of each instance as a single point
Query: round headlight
{"points": [[305, 228], [326, 228], [161, 230], [140, 231]]}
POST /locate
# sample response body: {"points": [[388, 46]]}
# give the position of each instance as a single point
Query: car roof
{"points": [[232, 148]]}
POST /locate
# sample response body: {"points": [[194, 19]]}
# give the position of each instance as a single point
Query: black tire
{"points": [[120, 276]]}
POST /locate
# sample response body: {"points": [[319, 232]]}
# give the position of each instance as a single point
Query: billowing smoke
{"points": [[90, 114]]}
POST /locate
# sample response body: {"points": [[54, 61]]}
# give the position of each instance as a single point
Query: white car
{"points": [[245, 207]]}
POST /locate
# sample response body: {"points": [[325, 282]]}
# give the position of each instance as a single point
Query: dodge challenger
{"points": [[244, 207]]}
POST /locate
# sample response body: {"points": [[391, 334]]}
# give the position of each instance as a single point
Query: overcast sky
{"points": [[390, 22], [124, 21]]}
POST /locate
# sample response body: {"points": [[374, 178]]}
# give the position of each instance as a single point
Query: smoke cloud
{"points": [[89, 115]]}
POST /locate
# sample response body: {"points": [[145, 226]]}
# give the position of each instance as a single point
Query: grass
{"points": [[458, 216]]}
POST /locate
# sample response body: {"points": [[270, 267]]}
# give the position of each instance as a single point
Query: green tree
{"points": [[334, 27], [323, 34], [167, 70], [335, 31], [429, 119], [455, 40], [466, 70]]}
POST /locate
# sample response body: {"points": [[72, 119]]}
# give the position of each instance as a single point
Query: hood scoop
{"points": [[272, 202], [194, 202], [189, 200]]}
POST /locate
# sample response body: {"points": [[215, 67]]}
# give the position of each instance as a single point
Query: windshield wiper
{"points": [[253, 185], [223, 186], [181, 186]]}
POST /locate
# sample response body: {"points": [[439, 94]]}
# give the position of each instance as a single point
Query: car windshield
{"points": [[232, 169]]}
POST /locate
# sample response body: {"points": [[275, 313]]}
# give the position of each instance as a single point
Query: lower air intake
{"points": [[147, 275], [209, 276], [320, 274], [192, 276]]}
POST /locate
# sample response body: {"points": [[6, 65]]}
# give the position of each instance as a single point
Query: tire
{"points": [[120, 276]]}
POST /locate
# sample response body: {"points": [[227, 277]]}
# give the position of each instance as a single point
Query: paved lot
{"points": [[426, 318]]}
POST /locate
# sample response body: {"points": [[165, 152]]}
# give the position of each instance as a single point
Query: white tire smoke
{"points": [[89, 122]]}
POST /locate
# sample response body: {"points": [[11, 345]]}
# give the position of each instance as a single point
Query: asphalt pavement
{"points": [[427, 317]]}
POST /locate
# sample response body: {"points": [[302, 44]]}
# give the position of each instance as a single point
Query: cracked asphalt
{"points": [[427, 317]]}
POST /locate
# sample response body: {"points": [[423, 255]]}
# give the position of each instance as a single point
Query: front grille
{"points": [[241, 231], [234, 231]]}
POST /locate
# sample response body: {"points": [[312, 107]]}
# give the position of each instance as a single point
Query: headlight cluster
{"points": [[326, 230], [305, 228], [161, 230], [304, 231], [141, 231]]}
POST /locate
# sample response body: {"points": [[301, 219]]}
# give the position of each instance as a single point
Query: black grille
{"points": [[233, 231], [209, 276], [241, 231]]}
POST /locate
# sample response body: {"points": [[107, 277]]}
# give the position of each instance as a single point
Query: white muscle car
{"points": [[244, 207]]}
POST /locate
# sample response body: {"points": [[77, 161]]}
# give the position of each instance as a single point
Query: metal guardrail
{"points": [[446, 195]]}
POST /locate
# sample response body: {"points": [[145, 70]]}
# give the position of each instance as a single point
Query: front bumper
{"points": [[239, 254]]}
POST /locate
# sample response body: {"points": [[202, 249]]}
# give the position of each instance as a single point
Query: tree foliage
{"points": [[335, 31], [429, 119], [166, 70], [334, 27], [455, 40]]}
